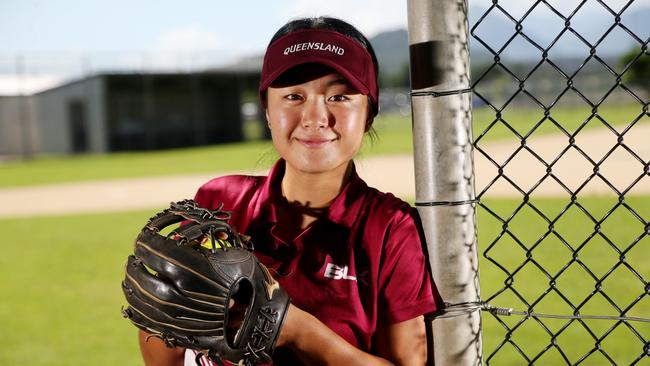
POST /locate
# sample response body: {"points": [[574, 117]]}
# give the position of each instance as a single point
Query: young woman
{"points": [[349, 256]]}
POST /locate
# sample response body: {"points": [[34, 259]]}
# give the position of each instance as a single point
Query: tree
{"points": [[639, 71]]}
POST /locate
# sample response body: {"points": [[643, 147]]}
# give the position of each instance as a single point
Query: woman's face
{"points": [[317, 119]]}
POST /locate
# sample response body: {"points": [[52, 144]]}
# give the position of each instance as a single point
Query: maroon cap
{"points": [[326, 47]]}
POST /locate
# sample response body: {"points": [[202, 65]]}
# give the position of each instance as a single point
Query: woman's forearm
{"points": [[315, 344]]}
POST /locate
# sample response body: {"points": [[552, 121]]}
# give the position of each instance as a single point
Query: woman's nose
{"points": [[316, 114]]}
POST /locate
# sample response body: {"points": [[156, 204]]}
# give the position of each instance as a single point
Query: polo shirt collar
{"points": [[344, 210]]}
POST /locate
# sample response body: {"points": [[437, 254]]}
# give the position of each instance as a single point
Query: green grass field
{"points": [[571, 279], [61, 293], [61, 298], [394, 137]]}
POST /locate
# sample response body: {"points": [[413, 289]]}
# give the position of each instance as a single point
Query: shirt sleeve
{"points": [[406, 288]]}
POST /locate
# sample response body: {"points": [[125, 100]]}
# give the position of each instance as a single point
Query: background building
{"points": [[117, 112], [17, 130]]}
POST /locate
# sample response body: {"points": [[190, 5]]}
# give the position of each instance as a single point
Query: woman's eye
{"points": [[292, 97], [338, 98]]}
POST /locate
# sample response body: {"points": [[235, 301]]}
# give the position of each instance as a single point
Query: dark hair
{"points": [[339, 26]]}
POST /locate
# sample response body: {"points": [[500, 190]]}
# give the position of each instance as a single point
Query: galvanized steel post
{"points": [[445, 198]]}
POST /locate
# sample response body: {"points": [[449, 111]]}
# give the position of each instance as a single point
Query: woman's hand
{"points": [[156, 353]]}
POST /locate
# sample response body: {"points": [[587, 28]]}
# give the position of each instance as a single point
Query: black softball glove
{"points": [[180, 286]]}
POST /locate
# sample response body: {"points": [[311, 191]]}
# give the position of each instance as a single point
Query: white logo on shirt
{"points": [[337, 272]]}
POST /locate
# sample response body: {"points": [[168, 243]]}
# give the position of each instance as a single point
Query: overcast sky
{"points": [[224, 28]]}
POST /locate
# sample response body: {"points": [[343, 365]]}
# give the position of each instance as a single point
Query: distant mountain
{"points": [[596, 27], [541, 26], [392, 49]]}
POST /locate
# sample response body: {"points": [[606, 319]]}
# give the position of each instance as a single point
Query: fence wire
{"points": [[582, 255]]}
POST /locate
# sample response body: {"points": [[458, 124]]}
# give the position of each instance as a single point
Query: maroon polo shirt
{"points": [[359, 267]]}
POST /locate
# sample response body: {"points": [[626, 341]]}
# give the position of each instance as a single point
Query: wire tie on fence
{"points": [[496, 310], [445, 203], [452, 310], [437, 94], [529, 314]]}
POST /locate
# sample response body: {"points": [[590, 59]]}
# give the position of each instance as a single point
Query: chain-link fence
{"points": [[563, 182]]}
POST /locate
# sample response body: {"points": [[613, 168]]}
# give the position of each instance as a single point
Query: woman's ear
{"points": [[268, 120]]}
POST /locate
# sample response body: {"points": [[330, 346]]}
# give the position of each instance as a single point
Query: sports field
{"points": [[61, 293], [61, 288], [394, 137], [531, 246]]}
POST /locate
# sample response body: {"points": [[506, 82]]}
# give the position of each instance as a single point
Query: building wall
{"points": [[18, 133], [121, 112], [97, 115], [162, 111], [58, 108]]}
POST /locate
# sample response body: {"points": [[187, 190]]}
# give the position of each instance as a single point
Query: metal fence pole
{"points": [[442, 138]]}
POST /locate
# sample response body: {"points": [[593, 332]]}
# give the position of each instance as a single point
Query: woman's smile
{"points": [[315, 143]]}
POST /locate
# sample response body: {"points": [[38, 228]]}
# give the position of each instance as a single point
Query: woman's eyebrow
{"points": [[341, 81]]}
